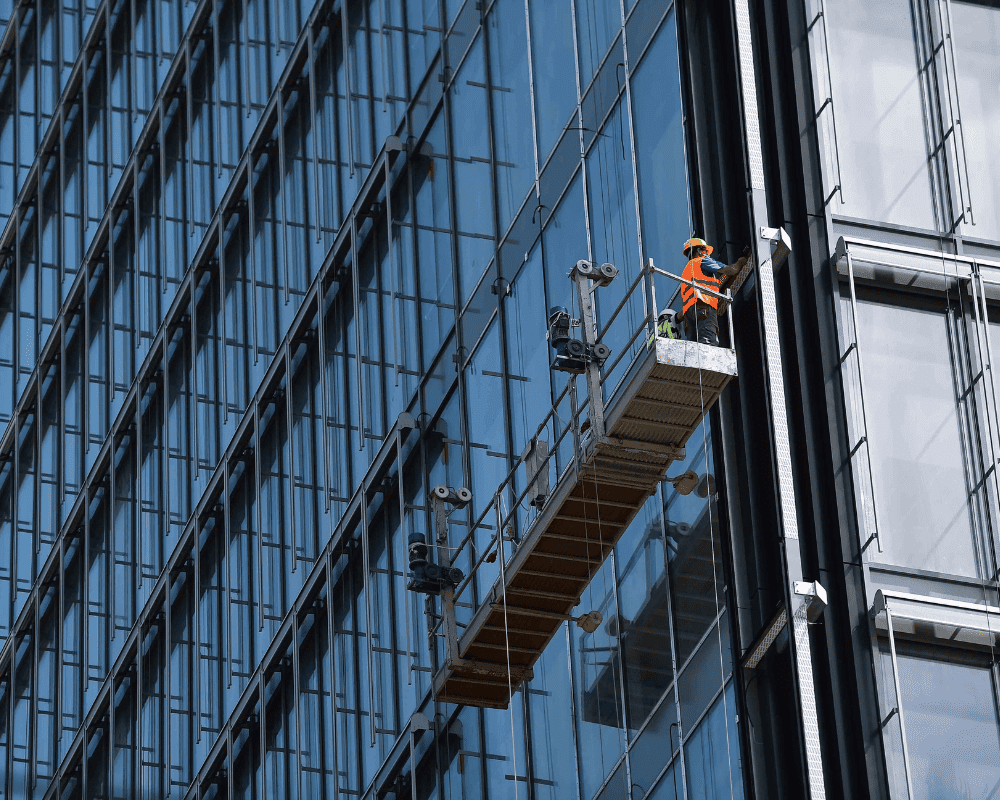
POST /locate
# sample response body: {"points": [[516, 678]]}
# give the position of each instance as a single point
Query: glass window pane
{"points": [[880, 122], [975, 33], [515, 148], [659, 143], [712, 754], [555, 69], [916, 446], [952, 734]]}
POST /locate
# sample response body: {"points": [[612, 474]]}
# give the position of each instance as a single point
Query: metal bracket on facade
{"points": [[781, 245], [814, 598], [588, 276]]}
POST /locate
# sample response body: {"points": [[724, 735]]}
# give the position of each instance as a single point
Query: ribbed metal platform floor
{"points": [[649, 420]]}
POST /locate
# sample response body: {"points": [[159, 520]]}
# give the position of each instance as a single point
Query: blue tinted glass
{"points": [[712, 754], [597, 22], [659, 142], [512, 134], [549, 697], [564, 242], [554, 69], [596, 675], [527, 351], [667, 788], [659, 741]]}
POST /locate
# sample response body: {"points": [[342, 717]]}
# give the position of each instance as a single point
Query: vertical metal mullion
{"points": [[289, 423], [297, 704], [166, 425], [381, 56], [136, 236], [259, 460], [133, 89], [137, 531], [112, 693], [167, 728], [162, 271], [392, 266], [61, 448], [61, 200], [317, 127], [16, 514], [405, 545], [196, 554], [861, 393], [61, 637], [955, 110], [223, 353], [330, 635], [194, 378], [348, 91], [138, 711], [356, 286], [112, 498], [899, 704], [85, 588], [975, 445], [280, 123], [246, 57], [263, 731], [33, 703], [232, 762], [37, 533], [321, 335], [366, 562], [228, 629], [979, 296], [217, 85], [107, 94], [189, 122], [253, 252], [85, 149], [86, 350], [112, 221]]}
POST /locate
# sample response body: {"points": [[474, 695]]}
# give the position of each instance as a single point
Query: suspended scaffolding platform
{"points": [[662, 400]]}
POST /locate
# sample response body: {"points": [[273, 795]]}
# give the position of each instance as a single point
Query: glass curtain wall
{"points": [[309, 287], [913, 102]]}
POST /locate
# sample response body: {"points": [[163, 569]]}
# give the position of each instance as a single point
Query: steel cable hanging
{"points": [[715, 580]]}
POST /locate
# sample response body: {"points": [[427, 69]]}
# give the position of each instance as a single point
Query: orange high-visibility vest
{"points": [[692, 272]]}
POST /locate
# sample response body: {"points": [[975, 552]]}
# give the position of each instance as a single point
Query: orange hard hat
{"points": [[694, 243]]}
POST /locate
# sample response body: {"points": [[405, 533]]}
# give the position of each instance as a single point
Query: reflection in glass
{"points": [[975, 33], [952, 733], [880, 122], [555, 70], [659, 145], [712, 754], [916, 447], [659, 742]]}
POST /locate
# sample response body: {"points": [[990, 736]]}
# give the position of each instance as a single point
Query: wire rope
{"points": [[506, 637], [711, 537]]}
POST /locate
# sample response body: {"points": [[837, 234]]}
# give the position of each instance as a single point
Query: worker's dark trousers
{"points": [[702, 323]]}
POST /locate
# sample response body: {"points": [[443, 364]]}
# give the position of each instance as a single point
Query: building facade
{"points": [[272, 271]]}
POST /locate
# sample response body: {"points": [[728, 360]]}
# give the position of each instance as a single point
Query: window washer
{"points": [[667, 325], [701, 310]]}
